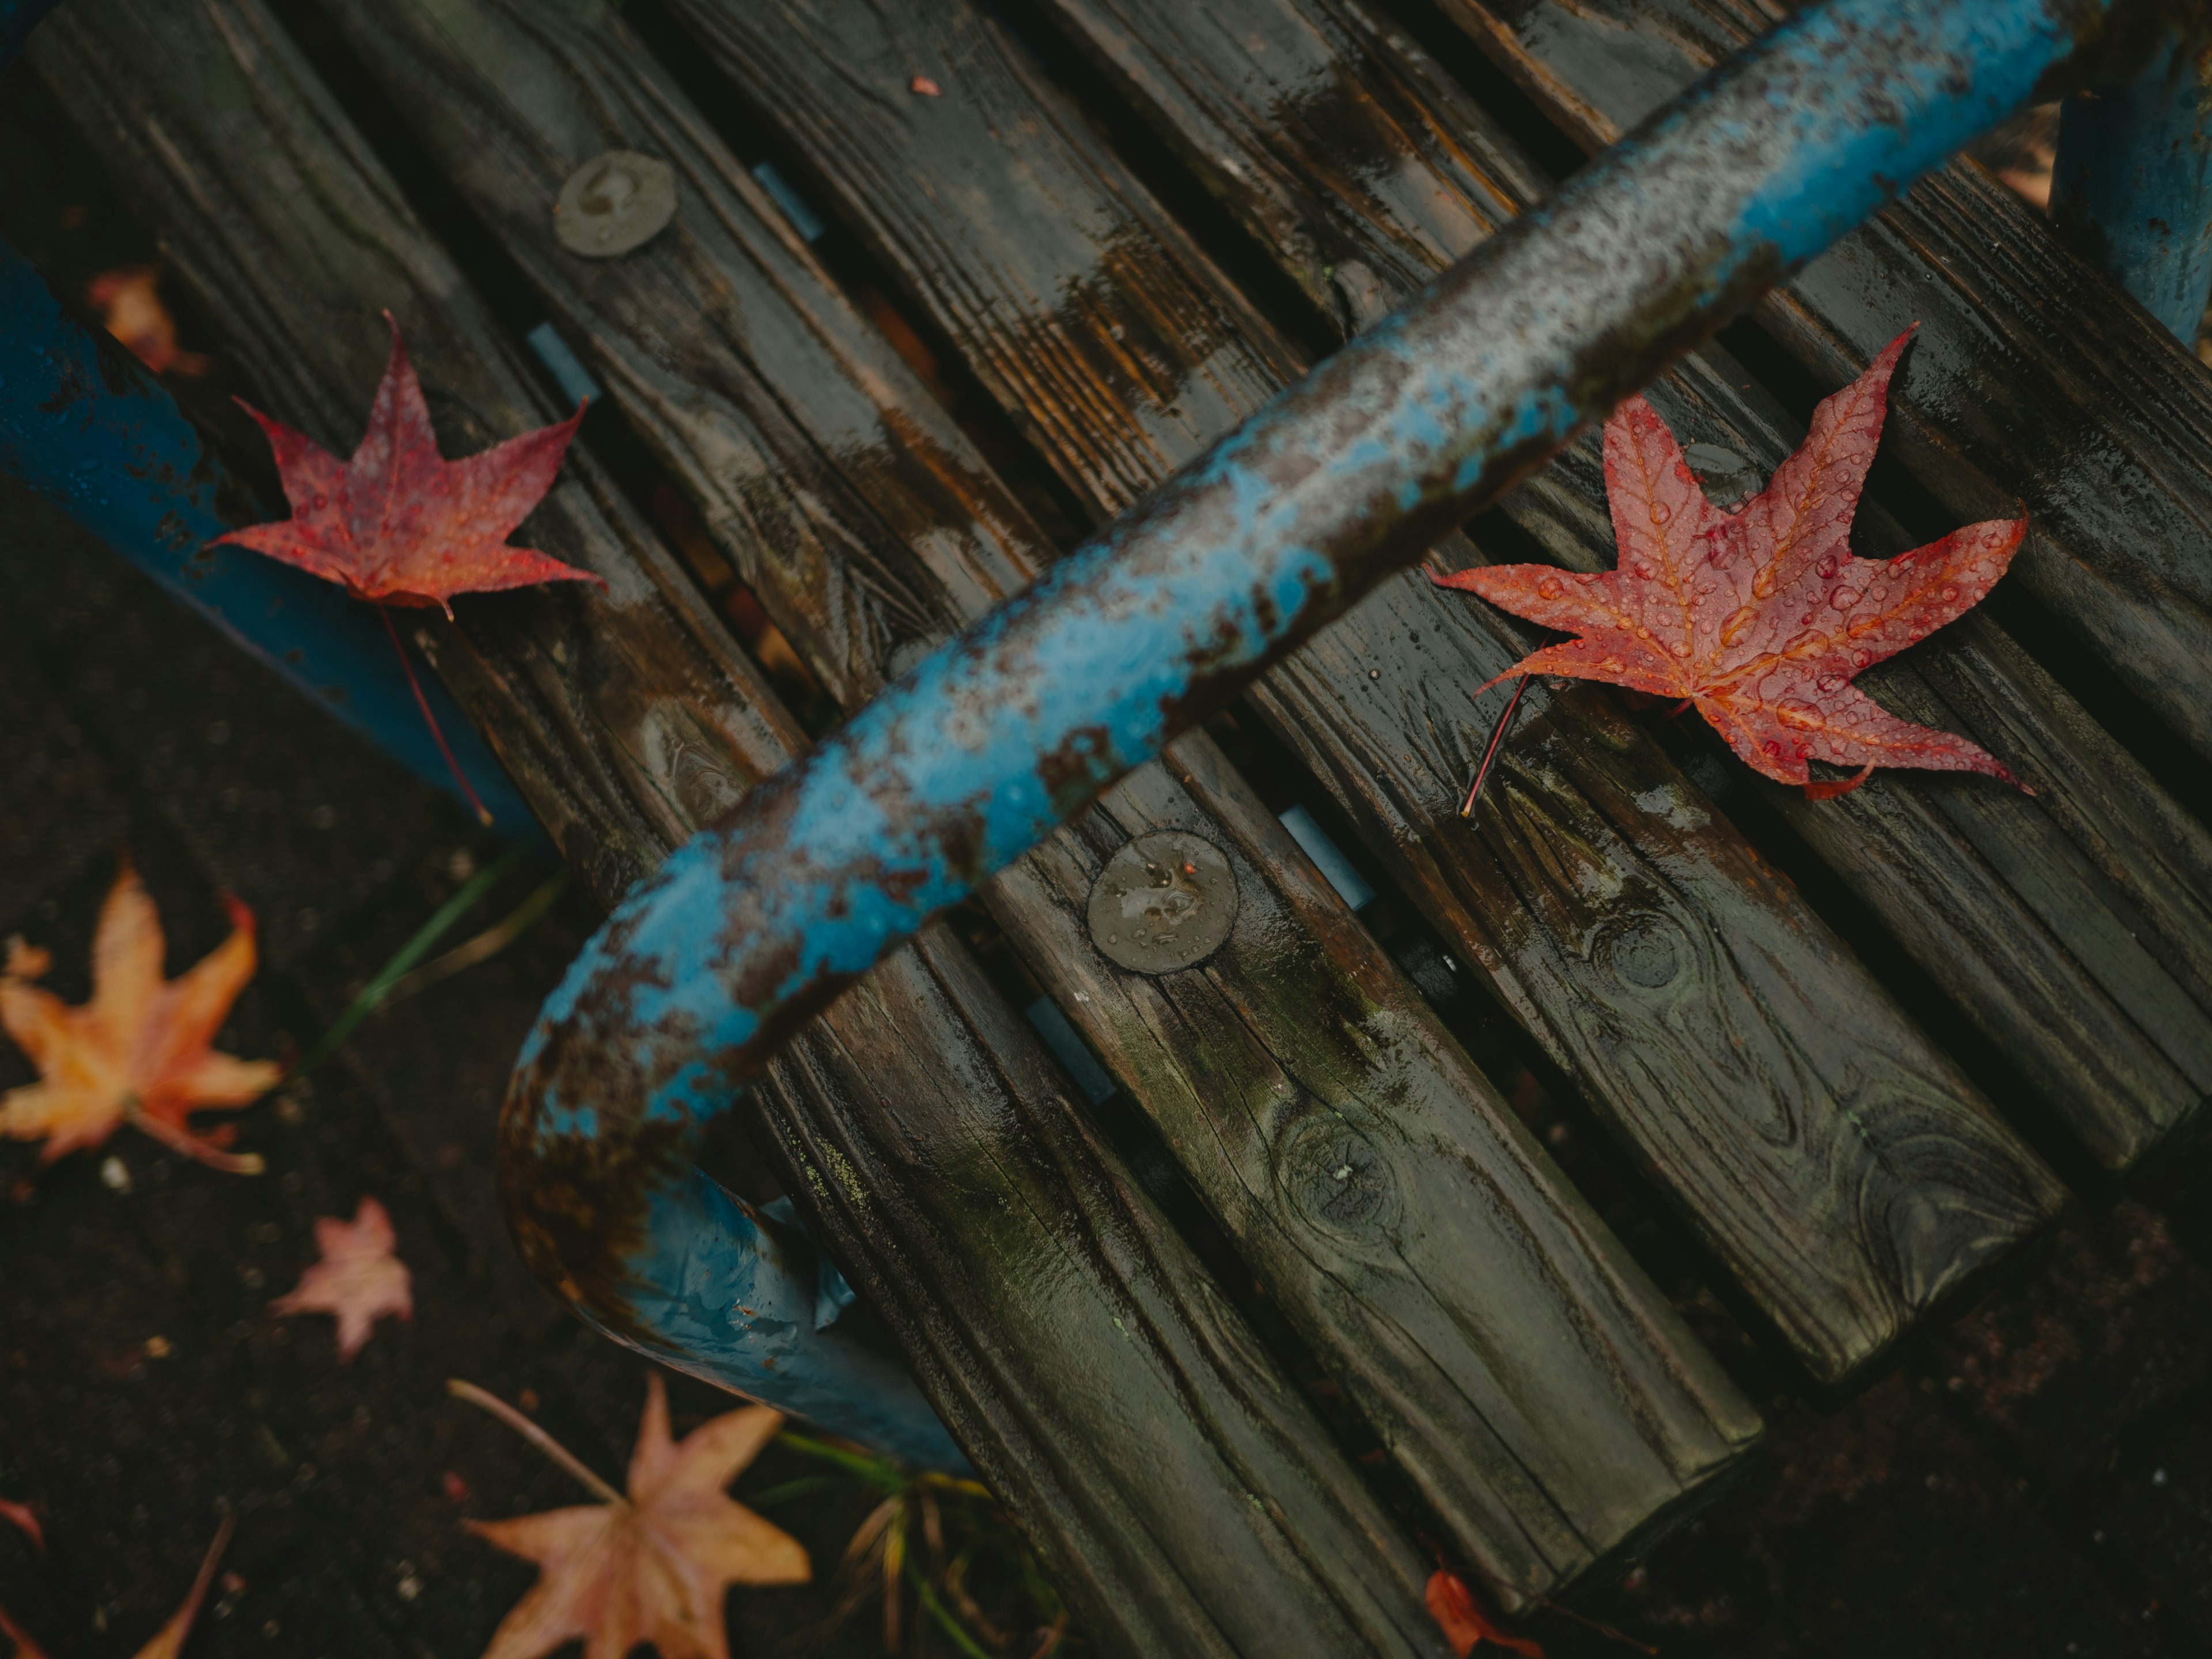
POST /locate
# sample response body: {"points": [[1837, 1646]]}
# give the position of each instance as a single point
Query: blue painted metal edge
{"points": [[84, 423], [983, 748], [2131, 185]]}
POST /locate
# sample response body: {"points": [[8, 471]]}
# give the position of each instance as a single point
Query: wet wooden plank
{"points": [[1520, 1367], [569, 88], [2071, 928], [1067, 254], [2102, 424], [1244, 1529]]}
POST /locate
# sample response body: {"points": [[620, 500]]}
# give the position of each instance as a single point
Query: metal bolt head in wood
{"points": [[1162, 902], [614, 203]]}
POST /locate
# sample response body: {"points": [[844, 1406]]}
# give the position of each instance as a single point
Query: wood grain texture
{"points": [[627, 715], [2069, 926], [2102, 425], [713, 336], [1750, 1106], [1072, 1339], [1243, 1530], [1627, 1383], [1535, 1385]]}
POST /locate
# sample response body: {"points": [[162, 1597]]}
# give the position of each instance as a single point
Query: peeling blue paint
{"points": [[981, 749]]}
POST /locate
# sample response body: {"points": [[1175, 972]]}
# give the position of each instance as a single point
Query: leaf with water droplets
{"points": [[1762, 616], [398, 523]]}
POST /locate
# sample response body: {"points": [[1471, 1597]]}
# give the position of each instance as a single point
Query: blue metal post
{"points": [[982, 749], [2132, 182]]}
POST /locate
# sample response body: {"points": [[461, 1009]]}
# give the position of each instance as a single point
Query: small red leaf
{"points": [[1463, 1620], [1761, 618]]}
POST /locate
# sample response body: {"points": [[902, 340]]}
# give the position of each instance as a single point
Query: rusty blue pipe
{"points": [[982, 749], [2131, 185]]}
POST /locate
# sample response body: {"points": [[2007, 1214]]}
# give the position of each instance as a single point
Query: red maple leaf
{"points": [[1760, 617], [400, 525]]}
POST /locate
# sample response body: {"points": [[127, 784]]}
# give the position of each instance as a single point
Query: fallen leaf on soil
{"points": [[139, 1052], [1760, 617], [129, 301], [399, 525], [653, 1566], [169, 1640], [359, 1278], [1463, 1620], [25, 1521]]}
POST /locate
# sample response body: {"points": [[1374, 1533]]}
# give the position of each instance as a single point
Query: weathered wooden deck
{"points": [[1114, 228]]}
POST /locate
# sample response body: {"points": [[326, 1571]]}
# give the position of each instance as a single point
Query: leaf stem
{"points": [[468, 794], [967, 1644], [1497, 742], [375, 992], [535, 1435], [880, 1471], [486, 944]]}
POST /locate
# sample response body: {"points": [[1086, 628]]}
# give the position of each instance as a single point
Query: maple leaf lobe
{"points": [[397, 524], [1760, 617]]}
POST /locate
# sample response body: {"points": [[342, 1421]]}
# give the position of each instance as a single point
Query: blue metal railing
{"points": [[982, 749]]}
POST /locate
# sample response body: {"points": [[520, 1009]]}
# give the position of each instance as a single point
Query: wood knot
{"points": [[1644, 951], [1337, 1177]]}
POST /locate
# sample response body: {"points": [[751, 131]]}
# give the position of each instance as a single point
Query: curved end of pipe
{"points": [[612, 1218]]}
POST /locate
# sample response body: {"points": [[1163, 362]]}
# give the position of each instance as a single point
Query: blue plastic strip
{"points": [[804, 219], [1329, 858], [981, 749], [83, 423], [1069, 1048], [2132, 183], [568, 370]]}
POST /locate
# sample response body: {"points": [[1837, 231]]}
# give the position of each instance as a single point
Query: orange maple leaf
{"points": [[25, 1520], [398, 523], [139, 1052], [168, 1642], [652, 1567], [129, 301], [359, 1278], [1463, 1620], [1760, 617]]}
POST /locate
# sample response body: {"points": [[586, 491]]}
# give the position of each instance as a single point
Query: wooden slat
{"points": [[2102, 426], [1774, 1090], [1522, 1369], [2072, 929], [1458, 1405], [625, 714], [1058, 1323]]}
